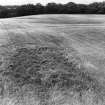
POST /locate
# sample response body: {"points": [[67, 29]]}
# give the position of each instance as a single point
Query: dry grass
{"points": [[52, 60], [48, 75]]}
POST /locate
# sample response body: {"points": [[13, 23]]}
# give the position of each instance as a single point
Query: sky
{"points": [[19, 2]]}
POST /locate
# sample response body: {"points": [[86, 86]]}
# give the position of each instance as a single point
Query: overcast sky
{"points": [[19, 2]]}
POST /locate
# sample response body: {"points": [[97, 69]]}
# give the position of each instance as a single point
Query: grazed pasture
{"points": [[82, 36]]}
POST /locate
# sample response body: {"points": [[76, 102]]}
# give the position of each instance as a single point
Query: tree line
{"points": [[52, 8]]}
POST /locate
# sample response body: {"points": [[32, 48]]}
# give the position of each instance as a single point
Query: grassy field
{"points": [[82, 37]]}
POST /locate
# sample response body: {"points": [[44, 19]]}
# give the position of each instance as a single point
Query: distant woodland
{"points": [[52, 8]]}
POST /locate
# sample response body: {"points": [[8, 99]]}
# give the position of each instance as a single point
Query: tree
{"points": [[70, 8], [81, 8], [39, 8], [101, 9], [51, 8], [4, 12], [93, 8], [23, 10]]}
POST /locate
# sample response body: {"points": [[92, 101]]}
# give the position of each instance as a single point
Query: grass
{"points": [[52, 60], [47, 70]]}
